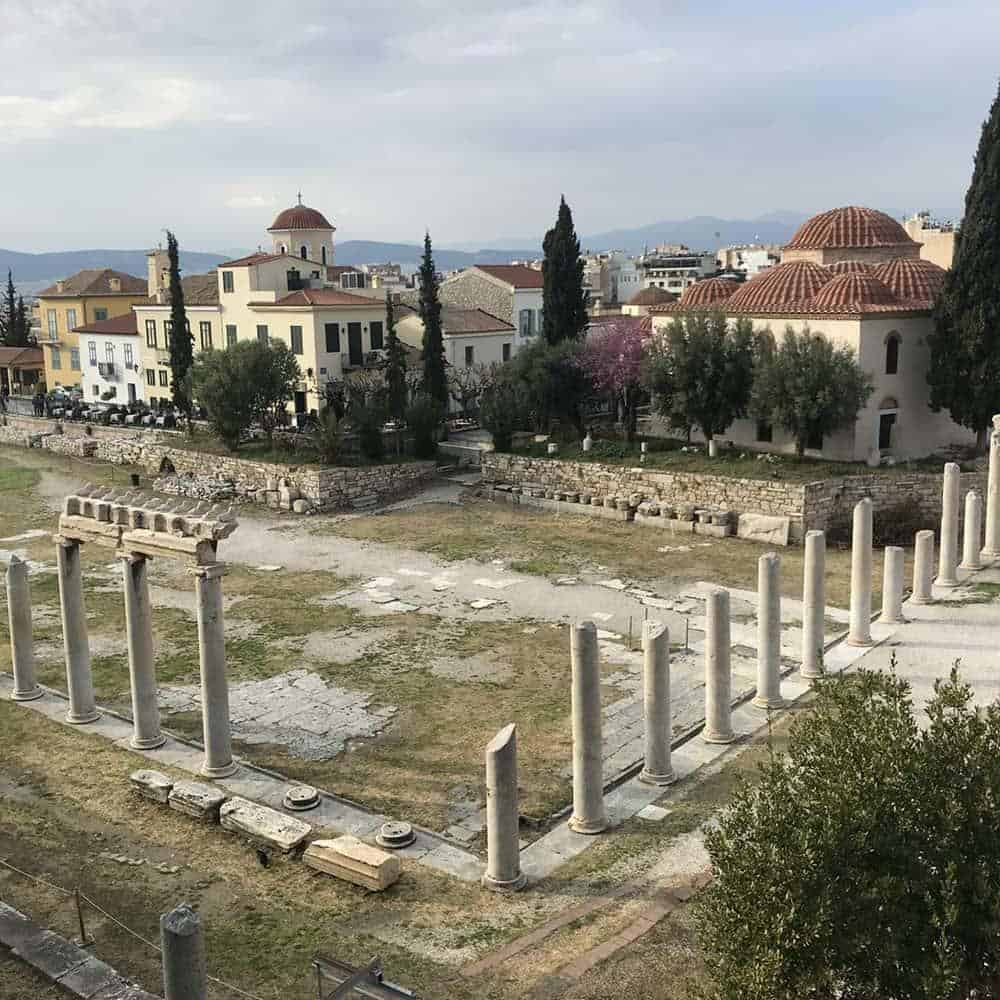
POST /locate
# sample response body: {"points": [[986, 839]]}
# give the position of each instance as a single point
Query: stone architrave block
{"points": [[263, 826], [152, 785], [766, 528], [194, 798], [353, 861]]}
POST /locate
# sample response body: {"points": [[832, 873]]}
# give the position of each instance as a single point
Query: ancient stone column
{"points": [[22, 648], [991, 548], [768, 632], [588, 780], [892, 586], [141, 664], [503, 851], [972, 531], [948, 553], [860, 630], [184, 976], [214, 686], [813, 604], [923, 567], [657, 768], [718, 674], [79, 680]]}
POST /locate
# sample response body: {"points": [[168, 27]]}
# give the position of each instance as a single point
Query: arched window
{"points": [[892, 354], [322, 255], [304, 252]]}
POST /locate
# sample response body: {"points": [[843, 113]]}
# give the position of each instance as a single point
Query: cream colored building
{"points": [[851, 275], [292, 293], [937, 239]]}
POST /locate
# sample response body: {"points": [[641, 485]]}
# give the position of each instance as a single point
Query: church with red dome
{"points": [[854, 275]]}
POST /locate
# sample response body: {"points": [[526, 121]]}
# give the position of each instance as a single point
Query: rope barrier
{"points": [[128, 930]]}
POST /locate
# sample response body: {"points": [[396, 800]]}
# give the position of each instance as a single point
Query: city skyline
{"points": [[210, 120]]}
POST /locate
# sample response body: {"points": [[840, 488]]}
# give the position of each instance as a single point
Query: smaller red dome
{"points": [[851, 267], [853, 293], [299, 217], [652, 296], [912, 280], [790, 283], [707, 292]]}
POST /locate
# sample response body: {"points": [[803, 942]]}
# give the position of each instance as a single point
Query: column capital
{"points": [[209, 571], [66, 542], [133, 557]]}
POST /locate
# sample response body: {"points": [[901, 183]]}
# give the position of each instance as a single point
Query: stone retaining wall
{"points": [[325, 488], [807, 505]]}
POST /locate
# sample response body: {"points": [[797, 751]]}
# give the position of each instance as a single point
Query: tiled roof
{"points": [[324, 297], [299, 217], [852, 293], [122, 325], [708, 292], [456, 320], [515, 275], [199, 290], [851, 267], [851, 226], [95, 281], [21, 357], [652, 296], [265, 258], [916, 280], [782, 285]]}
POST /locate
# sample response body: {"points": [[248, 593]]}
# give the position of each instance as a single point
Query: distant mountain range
{"points": [[33, 271]]}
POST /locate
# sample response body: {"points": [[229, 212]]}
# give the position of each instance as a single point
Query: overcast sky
{"points": [[121, 118]]}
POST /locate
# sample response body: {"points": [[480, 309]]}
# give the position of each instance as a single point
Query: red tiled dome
{"points": [[913, 280], [299, 217], [708, 292], [652, 296], [852, 293], [851, 267], [784, 284], [852, 226]]}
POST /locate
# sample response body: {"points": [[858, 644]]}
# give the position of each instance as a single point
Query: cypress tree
{"points": [[8, 313], [435, 381], [22, 326], [964, 373], [395, 364], [564, 300], [180, 341]]}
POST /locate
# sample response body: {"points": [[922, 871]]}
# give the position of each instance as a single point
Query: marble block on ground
{"points": [[353, 861], [766, 528], [152, 785], [197, 799], [263, 826]]}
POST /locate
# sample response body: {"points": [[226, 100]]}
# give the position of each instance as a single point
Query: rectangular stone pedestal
{"points": [[353, 861], [263, 826]]}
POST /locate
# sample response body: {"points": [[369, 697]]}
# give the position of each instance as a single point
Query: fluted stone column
{"points": [[588, 779], [141, 664], [76, 643], [22, 646], [214, 685], [991, 547], [923, 567], [657, 768], [972, 531], [768, 632], [503, 853], [948, 553], [718, 674], [892, 586], [813, 604], [860, 631], [184, 975]]}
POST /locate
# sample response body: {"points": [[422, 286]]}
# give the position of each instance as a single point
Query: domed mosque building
{"points": [[854, 276]]}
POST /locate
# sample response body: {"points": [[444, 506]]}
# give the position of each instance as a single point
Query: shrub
{"points": [[368, 423], [327, 436], [423, 417], [502, 411]]}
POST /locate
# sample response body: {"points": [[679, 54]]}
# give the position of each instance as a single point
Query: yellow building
{"points": [[87, 297]]}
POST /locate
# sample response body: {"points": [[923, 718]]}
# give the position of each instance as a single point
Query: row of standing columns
{"points": [[146, 732]]}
